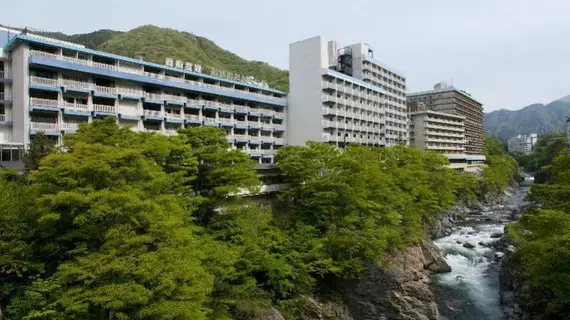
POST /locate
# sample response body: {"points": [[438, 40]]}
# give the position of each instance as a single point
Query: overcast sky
{"points": [[506, 53]]}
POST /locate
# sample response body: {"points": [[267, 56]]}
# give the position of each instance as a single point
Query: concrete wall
{"points": [[307, 58], [20, 94]]}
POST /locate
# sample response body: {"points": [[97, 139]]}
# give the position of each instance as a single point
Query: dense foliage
{"points": [[501, 168], [125, 225], [543, 239], [536, 118], [545, 150]]}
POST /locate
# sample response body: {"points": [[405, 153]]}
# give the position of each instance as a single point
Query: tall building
{"points": [[447, 99], [522, 143], [343, 95], [53, 86]]}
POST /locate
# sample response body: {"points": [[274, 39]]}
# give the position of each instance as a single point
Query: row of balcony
{"points": [[350, 126], [443, 133], [148, 74], [430, 125], [49, 127], [444, 140], [360, 102], [370, 116], [349, 89], [343, 139], [450, 122]]}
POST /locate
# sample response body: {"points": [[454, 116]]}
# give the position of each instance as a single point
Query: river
{"points": [[471, 290]]}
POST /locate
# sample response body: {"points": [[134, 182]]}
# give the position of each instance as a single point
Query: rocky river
{"points": [[471, 241]]}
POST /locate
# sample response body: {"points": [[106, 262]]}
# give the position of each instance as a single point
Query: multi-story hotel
{"points": [[343, 95], [53, 86], [522, 143], [447, 99]]}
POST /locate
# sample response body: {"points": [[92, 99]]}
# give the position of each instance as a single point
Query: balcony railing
{"points": [[45, 127], [241, 136], [71, 126], [104, 108], [241, 123], [192, 117], [226, 120], [174, 116], [153, 113], [76, 106], [170, 97], [77, 84], [279, 140], [44, 81], [153, 96], [44, 102], [130, 91], [106, 90], [148, 74]]}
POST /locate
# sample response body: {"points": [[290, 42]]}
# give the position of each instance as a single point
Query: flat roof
{"points": [[420, 93], [443, 114], [76, 47]]}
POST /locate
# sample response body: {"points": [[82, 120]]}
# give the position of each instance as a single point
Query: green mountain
{"points": [[536, 118], [155, 44]]}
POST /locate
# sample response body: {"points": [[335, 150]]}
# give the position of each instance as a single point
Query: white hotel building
{"points": [[343, 95], [52, 86]]}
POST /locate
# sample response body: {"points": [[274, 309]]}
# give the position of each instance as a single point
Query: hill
{"points": [[536, 118], [155, 44]]}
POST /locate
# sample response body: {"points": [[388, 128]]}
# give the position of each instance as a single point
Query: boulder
{"points": [[468, 245], [496, 235]]}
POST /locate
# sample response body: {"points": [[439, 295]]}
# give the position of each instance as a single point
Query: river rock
{"points": [[399, 289], [468, 245], [496, 235]]}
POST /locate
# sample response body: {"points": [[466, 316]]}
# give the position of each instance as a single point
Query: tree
{"points": [[40, 146], [123, 245]]}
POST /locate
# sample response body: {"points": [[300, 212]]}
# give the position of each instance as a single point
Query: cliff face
{"points": [[400, 290]]}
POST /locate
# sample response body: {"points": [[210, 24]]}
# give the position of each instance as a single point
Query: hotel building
{"points": [[342, 94], [53, 86]]}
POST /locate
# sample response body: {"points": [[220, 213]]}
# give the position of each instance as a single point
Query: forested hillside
{"points": [[536, 118]]}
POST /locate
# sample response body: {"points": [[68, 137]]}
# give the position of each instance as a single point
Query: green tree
{"points": [[40, 146]]}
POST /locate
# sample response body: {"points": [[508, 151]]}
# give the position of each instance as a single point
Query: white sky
{"points": [[506, 53]]}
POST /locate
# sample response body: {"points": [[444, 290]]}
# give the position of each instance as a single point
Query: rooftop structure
{"points": [[343, 95]]}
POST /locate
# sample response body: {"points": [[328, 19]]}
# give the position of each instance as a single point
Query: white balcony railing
{"points": [[174, 116], [170, 97], [76, 106], [44, 81], [45, 127], [130, 91], [153, 113], [71, 126], [241, 123], [104, 108], [44, 102], [77, 84], [226, 120], [106, 90], [192, 117], [152, 96], [279, 140], [279, 127], [113, 67], [241, 136]]}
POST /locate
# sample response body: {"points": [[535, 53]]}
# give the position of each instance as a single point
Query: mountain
{"points": [[536, 118], [155, 44]]}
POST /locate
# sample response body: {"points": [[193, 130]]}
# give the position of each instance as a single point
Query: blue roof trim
{"points": [[128, 117], [150, 80], [230, 125], [87, 91], [211, 124], [242, 140], [42, 108], [175, 104], [193, 122], [266, 142], [57, 134], [131, 60], [193, 106], [210, 108], [255, 142], [159, 102], [128, 97], [152, 119], [105, 95], [263, 115], [255, 114], [55, 89], [226, 111], [104, 114], [6, 123], [239, 126], [76, 113], [240, 111], [5, 101], [4, 80]]}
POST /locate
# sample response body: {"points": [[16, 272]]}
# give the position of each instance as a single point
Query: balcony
{"points": [[153, 96], [76, 84], [44, 102], [130, 92], [242, 123], [173, 116], [104, 108], [170, 97], [153, 113], [46, 82], [71, 126], [279, 141], [76, 106], [279, 127], [44, 127], [192, 117], [241, 136], [106, 90], [104, 66], [227, 120]]}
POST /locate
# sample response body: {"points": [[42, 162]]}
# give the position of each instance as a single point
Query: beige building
{"points": [[447, 99]]}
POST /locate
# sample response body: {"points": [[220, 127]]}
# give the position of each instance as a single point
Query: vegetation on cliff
{"points": [[542, 237], [539, 161], [125, 225]]}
